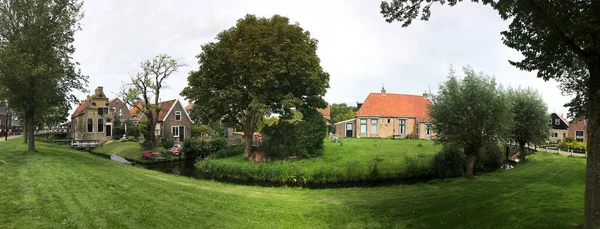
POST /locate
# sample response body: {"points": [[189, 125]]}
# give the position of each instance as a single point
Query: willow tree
{"points": [[257, 67], [529, 118], [37, 71], [557, 39], [469, 113]]}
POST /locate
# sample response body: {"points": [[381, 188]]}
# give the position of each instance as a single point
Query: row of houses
{"points": [[561, 128], [93, 119]]}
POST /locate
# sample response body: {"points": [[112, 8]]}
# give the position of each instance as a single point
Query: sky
{"points": [[359, 50]]}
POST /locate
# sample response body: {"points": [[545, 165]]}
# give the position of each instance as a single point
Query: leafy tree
{"points": [[145, 88], [55, 115], [37, 71], [558, 39], [257, 67], [469, 113], [529, 118], [341, 112]]}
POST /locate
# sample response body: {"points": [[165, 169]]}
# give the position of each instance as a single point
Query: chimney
{"points": [[99, 90], [426, 95], [382, 91]]}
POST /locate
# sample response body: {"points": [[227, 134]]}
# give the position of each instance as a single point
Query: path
{"points": [[10, 137], [562, 152], [115, 157]]}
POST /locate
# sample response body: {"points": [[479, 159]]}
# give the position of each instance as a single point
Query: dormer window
{"points": [[557, 121]]}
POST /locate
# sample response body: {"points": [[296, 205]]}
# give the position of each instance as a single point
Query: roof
{"points": [[110, 101], [345, 121], [395, 105], [189, 106], [80, 109], [325, 111], [561, 118], [165, 107]]}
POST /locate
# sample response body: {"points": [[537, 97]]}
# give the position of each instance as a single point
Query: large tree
{"points": [[469, 113], [558, 39], [529, 122], [341, 112], [257, 67], [37, 71], [143, 91]]}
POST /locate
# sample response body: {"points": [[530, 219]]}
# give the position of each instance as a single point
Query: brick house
{"points": [[92, 120], [386, 114], [173, 120], [578, 129], [559, 128], [119, 109]]}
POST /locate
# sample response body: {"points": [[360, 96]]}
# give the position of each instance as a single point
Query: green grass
{"points": [[62, 188], [128, 150], [350, 160]]}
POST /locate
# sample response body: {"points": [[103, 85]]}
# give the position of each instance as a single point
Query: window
{"points": [[579, 135], [550, 122], [103, 111], [557, 121], [427, 129], [120, 113], [175, 131], [564, 135], [555, 135], [90, 125], [374, 126], [402, 126], [388, 120], [100, 125], [363, 126], [178, 115]]}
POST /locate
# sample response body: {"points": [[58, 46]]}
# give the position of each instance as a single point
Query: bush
{"points": [[494, 157], [228, 151], [175, 151], [146, 145], [167, 143], [131, 139], [569, 139], [217, 143], [417, 166], [450, 162], [51, 137], [148, 154], [165, 152], [572, 145]]}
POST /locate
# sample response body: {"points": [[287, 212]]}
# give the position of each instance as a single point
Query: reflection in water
{"points": [[182, 168]]}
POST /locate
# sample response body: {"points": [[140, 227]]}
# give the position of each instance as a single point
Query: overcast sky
{"points": [[356, 46]]}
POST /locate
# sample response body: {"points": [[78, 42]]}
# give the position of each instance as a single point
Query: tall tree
{"points": [[144, 89], [37, 71], [469, 112], [558, 39], [257, 67], [341, 112], [529, 122]]}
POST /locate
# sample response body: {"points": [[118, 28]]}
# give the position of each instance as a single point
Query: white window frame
{"points": [[402, 126], [177, 113], [173, 132], [582, 135], [375, 124], [361, 125], [557, 121], [87, 125], [428, 129], [98, 125]]}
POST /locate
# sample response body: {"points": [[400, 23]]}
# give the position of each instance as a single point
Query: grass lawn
{"points": [[128, 150], [350, 160], [59, 187]]}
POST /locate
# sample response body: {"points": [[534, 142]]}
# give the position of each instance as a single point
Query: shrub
{"points": [[217, 143], [51, 137], [228, 151], [417, 166], [133, 131], [573, 145], [193, 148], [146, 145], [569, 139], [175, 151], [131, 139], [374, 169], [494, 157], [148, 154], [165, 152], [167, 143], [450, 162]]}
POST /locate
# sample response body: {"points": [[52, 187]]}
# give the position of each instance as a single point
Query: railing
{"points": [[80, 144]]}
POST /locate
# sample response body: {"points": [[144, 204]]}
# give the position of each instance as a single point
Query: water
{"points": [[181, 168]]}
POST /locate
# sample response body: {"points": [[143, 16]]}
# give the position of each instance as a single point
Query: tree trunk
{"points": [[30, 132], [247, 144], [592, 181], [522, 150], [25, 132], [470, 165]]}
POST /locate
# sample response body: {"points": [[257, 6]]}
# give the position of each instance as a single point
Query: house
{"points": [[119, 109], [6, 121], [386, 114], [92, 120], [559, 128], [173, 120], [578, 129], [188, 108]]}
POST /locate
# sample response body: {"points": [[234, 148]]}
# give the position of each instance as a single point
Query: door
{"points": [[348, 130], [181, 133], [108, 130]]}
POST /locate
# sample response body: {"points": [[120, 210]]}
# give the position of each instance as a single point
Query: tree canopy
{"points": [[341, 112], [469, 113], [37, 71], [529, 118], [257, 67]]}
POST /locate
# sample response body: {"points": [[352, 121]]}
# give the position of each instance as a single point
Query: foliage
{"points": [[147, 145], [198, 130], [143, 91], [37, 70], [175, 151], [118, 129], [251, 80], [217, 143], [268, 121], [417, 166], [134, 130], [450, 162], [165, 152], [148, 154], [572, 145], [529, 121], [469, 112], [167, 143], [494, 157], [341, 112], [228, 151], [569, 139]]}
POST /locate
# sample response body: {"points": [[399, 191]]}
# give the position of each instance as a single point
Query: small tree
{"points": [[341, 112], [529, 118], [259, 66], [144, 89], [469, 112]]}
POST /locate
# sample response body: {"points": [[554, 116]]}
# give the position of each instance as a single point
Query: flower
{"points": [[148, 154], [175, 151]]}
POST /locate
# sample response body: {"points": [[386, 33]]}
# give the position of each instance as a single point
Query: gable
{"points": [[170, 114], [562, 124], [395, 105]]}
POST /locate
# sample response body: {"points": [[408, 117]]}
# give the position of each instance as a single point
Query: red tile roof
{"points": [[110, 101], [80, 109], [164, 109], [189, 106], [326, 112], [395, 105]]}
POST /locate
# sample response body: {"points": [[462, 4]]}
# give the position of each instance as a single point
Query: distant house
{"points": [[578, 129], [173, 120], [119, 109], [386, 114], [559, 128], [188, 108], [92, 120]]}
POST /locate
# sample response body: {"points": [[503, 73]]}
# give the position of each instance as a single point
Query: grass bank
{"points": [[59, 187], [352, 160], [131, 151]]}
